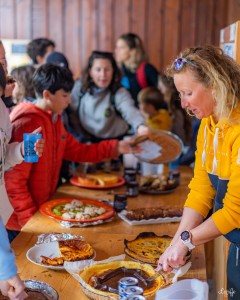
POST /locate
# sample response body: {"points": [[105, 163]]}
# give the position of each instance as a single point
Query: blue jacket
{"points": [[8, 267]]}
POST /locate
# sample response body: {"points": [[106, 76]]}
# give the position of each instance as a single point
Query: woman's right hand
{"points": [[174, 257]]}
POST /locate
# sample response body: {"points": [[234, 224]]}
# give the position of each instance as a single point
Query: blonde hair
{"points": [[215, 70], [133, 41]]}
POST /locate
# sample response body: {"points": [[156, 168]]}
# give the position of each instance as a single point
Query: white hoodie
{"points": [[10, 155]]}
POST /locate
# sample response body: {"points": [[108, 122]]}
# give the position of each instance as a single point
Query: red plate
{"points": [[74, 181], [47, 209]]}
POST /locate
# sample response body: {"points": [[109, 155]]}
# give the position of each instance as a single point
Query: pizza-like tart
{"points": [[71, 250], [147, 247]]}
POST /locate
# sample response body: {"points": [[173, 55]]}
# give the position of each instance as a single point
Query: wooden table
{"points": [[106, 239]]}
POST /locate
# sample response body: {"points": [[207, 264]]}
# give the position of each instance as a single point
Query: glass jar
{"points": [[120, 202], [132, 188]]}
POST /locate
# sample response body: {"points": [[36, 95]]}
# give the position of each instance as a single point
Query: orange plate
{"points": [[47, 209], [74, 181]]}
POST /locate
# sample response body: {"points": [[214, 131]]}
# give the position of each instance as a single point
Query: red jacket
{"points": [[31, 184]]}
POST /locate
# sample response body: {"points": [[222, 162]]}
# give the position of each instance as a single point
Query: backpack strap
{"points": [[112, 98], [141, 75]]}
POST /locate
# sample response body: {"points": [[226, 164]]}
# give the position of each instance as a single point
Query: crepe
{"points": [[147, 247], [170, 146]]}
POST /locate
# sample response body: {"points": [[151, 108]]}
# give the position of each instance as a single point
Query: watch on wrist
{"points": [[185, 237]]}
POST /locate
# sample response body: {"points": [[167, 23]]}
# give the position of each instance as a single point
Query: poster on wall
{"points": [[16, 54], [230, 39]]}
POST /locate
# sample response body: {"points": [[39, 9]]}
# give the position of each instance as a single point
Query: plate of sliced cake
{"points": [[52, 255], [97, 181], [152, 215]]}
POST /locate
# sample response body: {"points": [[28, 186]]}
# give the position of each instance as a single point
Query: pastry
{"points": [[98, 179], [156, 183], [104, 179], [71, 250], [147, 247], [85, 180]]}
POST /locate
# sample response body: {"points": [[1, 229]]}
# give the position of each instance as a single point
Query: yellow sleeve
{"points": [[228, 218], [202, 193]]}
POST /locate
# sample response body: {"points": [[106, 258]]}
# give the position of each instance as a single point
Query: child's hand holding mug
{"points": [[32, 146]]}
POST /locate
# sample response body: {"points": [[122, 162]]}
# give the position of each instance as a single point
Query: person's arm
{"points": [[125, 105], [17, 182], [201, 232], [7, 259], [197, 206], [10, 283], [13, 155], [80, 152]]}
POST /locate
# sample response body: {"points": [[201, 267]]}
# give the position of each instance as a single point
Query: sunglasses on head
{"points": [[179, 62]]}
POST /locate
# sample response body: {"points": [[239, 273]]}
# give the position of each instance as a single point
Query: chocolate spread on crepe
{"points": [[108, 281]]}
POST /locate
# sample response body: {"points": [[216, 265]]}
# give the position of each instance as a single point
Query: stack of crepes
{"points": [[100, 179]]}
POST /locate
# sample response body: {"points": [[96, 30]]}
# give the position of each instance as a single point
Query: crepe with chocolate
{"points": [[102, 279], [147, 247]]}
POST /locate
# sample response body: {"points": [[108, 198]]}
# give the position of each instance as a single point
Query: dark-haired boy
{"points": [[39, 48], [29, 185]]}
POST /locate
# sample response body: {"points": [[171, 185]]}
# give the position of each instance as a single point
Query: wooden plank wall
{"points": [[80, 26]]}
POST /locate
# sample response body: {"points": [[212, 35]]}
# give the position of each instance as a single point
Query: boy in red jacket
{"points": [[30, 184]]}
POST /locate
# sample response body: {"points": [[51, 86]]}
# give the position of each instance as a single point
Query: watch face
{"points": [[185, 235]]}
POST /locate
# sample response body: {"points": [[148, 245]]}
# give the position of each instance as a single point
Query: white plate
{"points": [[187, 289], [123, 214], [50, 250], [46, 249]]}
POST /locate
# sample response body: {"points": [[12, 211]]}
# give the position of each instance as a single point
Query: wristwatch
{"points": [[185, 237]]}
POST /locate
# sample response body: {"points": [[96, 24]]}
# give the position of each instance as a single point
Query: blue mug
{"points": [[29, 140]]}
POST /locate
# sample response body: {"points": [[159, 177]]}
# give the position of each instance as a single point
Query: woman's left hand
{"points": [[174, 257]]}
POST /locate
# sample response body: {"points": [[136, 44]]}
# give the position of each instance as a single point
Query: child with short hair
{"points": [[154, 108], [29, 185]]}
